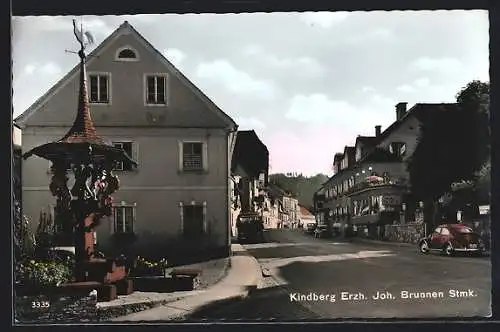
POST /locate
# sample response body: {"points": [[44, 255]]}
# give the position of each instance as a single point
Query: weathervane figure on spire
{"points": [[84, 38]]}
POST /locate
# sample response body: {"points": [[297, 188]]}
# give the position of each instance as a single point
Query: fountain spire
{"points": [[83, 129]]}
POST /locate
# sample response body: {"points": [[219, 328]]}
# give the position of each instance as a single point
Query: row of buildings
{"points": [[196, 171], [369, 189], [253, 193]]}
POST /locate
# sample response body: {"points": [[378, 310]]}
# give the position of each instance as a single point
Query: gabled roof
{"points": [[250, 153], [367, 141], [338, 156], [123, 28], [349, 150], [305, 212], [416, 110], [420, 110]]}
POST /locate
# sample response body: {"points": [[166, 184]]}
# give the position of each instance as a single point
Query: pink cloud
{"points": [[309, 152]]}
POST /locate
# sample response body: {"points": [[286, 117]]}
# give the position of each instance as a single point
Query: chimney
{"points": [[378, 130], [400, 110]]}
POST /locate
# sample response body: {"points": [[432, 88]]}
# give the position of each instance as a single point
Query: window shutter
{"points": [[181, 207], [167, 90], [180, 156], [205, 156], [112, 222], [134, 218], [204, 217], [135, 152]]}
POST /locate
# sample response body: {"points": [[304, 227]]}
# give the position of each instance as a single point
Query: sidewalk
{"points": [[243, 277]]}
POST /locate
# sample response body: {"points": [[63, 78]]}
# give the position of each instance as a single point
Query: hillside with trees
{"points": [[303, 187]]}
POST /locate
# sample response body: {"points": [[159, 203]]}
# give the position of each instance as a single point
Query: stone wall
{"points": [[407, 233]]}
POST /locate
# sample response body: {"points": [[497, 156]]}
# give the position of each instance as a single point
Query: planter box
{"points": [[148, 272], [162, 284]]}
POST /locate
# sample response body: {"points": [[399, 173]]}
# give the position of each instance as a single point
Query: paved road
{"points": [[351, 273]]}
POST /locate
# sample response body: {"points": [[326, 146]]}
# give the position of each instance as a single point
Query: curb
{"points": [[389, 243], [259, 272], [108, 313], [240, 292]]}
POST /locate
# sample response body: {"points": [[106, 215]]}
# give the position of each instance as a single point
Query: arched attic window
{"points": [[126, 53]]}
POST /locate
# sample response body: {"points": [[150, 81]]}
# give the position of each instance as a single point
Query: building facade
{"points": [[369, 188], [249, 174], [177, 199]]}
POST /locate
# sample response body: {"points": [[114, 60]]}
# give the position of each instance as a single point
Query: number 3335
{"points": [[40, 304]]}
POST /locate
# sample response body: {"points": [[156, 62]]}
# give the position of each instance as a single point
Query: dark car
{"points": [[250, 227], [310, 227], [449, 239], [322, 231]]}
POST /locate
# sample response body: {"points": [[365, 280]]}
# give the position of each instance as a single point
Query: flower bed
{"points": [[37, 277], [144, 267]]}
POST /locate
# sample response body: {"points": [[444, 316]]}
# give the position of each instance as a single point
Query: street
{"points": [[310, 278]]}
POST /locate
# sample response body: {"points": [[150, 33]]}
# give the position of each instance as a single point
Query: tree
{"points": [[452, 146]]}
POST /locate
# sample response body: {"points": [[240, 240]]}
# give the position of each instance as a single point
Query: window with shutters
{"points": [[124, 165], [156, 89], [192, 156], [124, 219], [99, 85], [193, 221]]}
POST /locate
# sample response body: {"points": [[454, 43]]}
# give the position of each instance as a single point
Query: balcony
{"points": [[376, 182]]}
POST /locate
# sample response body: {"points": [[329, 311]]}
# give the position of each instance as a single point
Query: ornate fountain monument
{"points": [[81, 209]]}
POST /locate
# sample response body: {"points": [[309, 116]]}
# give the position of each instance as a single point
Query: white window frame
{"points": [[123, 48], [98, 74], [167, 89], [123, 204], [134, 151], [181, 214], [204, 156]]}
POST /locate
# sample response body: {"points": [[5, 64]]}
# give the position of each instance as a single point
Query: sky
{"points": [[307, 83]]}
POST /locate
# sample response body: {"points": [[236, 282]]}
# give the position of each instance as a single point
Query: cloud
{"points": [[302, 66], [235, 80], [406, 88], [417, 84], [323, 19], [29, 69], [373, 35], [318, 109], [446, 64], [48, 69], [422, 82], [381, 33], [175, 56], [95, 25], [248, 123], [368, 89]]}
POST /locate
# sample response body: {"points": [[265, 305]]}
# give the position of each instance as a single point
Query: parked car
{"points": [[322, 231], [449, 239], [250, 227], [310, 227]]}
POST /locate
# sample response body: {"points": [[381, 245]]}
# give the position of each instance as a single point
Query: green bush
{"points": [[42, 274]]}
